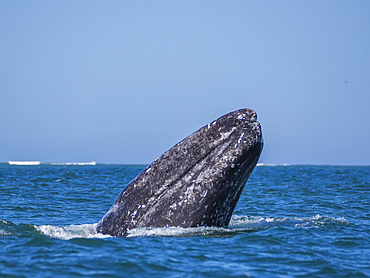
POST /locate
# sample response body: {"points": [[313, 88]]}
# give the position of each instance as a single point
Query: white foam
{"points": [[174, 231], [4, 233], [269, 222], [71, 231], [238, 224]]}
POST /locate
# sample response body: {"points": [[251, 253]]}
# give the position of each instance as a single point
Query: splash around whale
{"points": [[195, 183]]}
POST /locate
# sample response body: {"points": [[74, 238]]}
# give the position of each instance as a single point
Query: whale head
{"points": [[195, 183]]}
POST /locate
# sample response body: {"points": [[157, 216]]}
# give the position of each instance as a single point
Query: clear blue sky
{"points": [[123, 81]]}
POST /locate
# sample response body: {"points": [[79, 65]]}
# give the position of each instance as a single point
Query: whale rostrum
{"points": [[195, 183]]}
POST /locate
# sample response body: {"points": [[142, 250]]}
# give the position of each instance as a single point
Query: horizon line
{"points": [[93, 163]]}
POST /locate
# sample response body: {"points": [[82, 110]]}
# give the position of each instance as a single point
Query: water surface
{"points": [[304, 221]]}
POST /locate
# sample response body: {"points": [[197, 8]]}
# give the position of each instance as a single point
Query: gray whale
{"points": [[195, 183]]}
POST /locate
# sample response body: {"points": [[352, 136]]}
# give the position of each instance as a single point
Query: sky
{"points": [[123, 81]]}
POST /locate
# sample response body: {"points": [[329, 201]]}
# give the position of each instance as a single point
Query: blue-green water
{"points": [[304, 221]]}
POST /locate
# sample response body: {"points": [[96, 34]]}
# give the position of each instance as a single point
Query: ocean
{"points": [[290, 221]]}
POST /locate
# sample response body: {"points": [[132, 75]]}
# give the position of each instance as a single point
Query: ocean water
{"points": [[291, 221]]}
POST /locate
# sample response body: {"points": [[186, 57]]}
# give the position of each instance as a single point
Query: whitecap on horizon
{"points": [[11, 162]]}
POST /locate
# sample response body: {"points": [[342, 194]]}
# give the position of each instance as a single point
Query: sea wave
{"points": [[238, 224], [253, 222]]}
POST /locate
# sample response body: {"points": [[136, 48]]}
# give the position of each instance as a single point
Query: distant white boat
{"points": [[24, 162]]}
